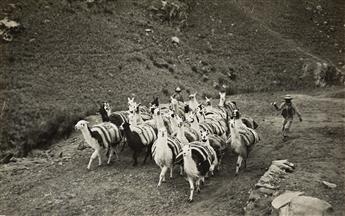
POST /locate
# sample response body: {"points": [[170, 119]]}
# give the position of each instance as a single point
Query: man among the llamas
{"points": [[288, 111]]}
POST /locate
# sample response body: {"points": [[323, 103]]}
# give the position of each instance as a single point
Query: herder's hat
{"points": [[177, 89], [287, 97]]}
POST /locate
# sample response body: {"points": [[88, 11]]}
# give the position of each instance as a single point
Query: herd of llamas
{"points": [[191, 135]]}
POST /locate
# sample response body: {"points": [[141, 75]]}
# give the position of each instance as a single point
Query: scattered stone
{"points": [[267, 191], [284, 164], [9, 23], [81, 146], [329, 185], [8, 28], [254, 195], [285, 198], [306, 205], [175, 40]]}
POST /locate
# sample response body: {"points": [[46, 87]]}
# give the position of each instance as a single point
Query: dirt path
{"points": [[62, 186]]}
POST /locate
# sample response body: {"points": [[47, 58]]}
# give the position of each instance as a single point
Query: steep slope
{"points": [[71, 55]]}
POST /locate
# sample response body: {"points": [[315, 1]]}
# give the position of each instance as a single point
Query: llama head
{"points": [[156, 112], [162, 132], [235, 116], [204, 135], [187, 151], [81, 124], [107, 107], [124, 125], [134, 107], [170, 114], [222, 98], [208, 101], [155, 102], [130, 101], [190, 118], [179, 121], [193, 96], [105, 111], [200, 109]]}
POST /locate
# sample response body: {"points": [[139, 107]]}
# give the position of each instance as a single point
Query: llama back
{"points": [[175, 146], [118, 117], [248, 136], [146, 133], [108, 132], [218, 127], [203, 150]]}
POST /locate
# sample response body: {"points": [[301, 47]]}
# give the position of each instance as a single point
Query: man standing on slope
{"points": [[288, 111], [178, 95]]}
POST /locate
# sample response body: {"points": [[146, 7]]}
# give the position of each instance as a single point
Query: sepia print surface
{"points": [[172, 107]]}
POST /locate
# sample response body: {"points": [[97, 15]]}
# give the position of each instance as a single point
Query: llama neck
{"points": [[87, 135], [159, 121], [174, 126], [193, 103], [189, 166], [235, 135], [207, 142], [201, 117], [221, 102], [162, 144], [133, 120], [195, 125], [181, 136]]}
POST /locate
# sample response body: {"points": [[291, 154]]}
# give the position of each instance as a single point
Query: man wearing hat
{"points": [[288, 111], [178, 95]]}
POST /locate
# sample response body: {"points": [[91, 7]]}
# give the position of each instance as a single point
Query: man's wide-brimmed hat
{"points": [[287, 97], [177, 89]]}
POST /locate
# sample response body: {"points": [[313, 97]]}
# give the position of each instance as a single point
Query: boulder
{"points": [[306, 205], [285, 198]]}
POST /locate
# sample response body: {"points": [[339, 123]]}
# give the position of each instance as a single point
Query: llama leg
{"points": [[162, 175], [146, 156], [116, 154], [93, 156], [219, 167], [123, 144], [202, 180], [238, 164], [214, 164], [135, 158], [111, 152], [197, 183], [181, 170], [191, 184], [171, 171], [99, 158]]}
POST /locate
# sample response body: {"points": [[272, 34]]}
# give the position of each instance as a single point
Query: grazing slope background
{"points": [[70, 55]]}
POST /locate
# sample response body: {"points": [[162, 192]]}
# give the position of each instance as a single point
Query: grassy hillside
{"points": [[71, 55]]}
